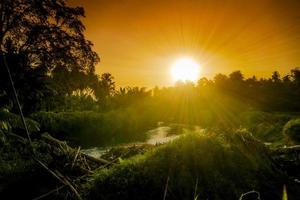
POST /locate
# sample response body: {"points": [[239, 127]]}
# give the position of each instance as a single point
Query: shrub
{"points": [[291, 131]]}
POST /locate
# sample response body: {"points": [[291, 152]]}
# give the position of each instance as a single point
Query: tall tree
{"points": [[46, 35], [48, 32]]}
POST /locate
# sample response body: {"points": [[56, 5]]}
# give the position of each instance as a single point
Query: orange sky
{"points": [[138, 40]]}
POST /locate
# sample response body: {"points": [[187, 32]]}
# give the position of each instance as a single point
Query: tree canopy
{"points": [[38, 39], [48, 32]]}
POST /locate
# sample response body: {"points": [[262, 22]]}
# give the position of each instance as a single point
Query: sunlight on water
{"points": [[160, 135], [96, 152]]}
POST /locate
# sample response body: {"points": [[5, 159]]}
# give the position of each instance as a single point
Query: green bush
{"points": [[291, 131], [222, 166]]}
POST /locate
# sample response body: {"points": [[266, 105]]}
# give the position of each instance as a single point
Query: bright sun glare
{"points": [[185, 69]]}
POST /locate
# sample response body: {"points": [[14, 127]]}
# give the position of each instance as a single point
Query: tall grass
{"points": [[92, 128]]}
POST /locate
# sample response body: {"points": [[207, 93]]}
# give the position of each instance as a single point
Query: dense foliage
{"points": [[40, 42]]}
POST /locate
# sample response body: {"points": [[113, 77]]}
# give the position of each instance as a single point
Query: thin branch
{"points": [[166, 188], [16, 98]]}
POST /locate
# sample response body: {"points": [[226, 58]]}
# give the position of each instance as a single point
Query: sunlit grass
{"points": [[195, 164]]}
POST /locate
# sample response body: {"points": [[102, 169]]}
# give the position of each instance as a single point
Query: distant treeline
{"points": [[65, 90], [226, 96]]}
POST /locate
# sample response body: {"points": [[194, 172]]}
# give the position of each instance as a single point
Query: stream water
{"points": [[159, 135]]}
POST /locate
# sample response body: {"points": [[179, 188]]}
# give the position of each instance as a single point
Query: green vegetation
{"points": [[88, 128], [10, 122], [266, 126], [292, 131], [48, 65], [92, 128], [223, 165]]}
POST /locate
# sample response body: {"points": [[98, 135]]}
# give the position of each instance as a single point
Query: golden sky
{"points": [[138, 40]]}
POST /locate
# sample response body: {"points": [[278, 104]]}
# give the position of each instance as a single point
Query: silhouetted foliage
{"points": [[274, 94], [104, 87], [38, 39], [52, 65]]}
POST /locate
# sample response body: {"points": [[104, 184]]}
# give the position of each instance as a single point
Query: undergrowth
{"points": [[225, 165]]}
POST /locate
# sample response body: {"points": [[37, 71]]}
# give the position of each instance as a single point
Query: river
{"points": [[161, 134]]}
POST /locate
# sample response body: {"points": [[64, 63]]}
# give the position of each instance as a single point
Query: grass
{"points": [[96, 129], [224, 166]]}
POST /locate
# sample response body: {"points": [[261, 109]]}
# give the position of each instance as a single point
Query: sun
{"points": [[185, 69]]}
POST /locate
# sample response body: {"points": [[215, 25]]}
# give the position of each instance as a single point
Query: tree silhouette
{"points": [[48, 32], [104, 87], [42, 36], [295, 75], [276, 77], [236, 76]]}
